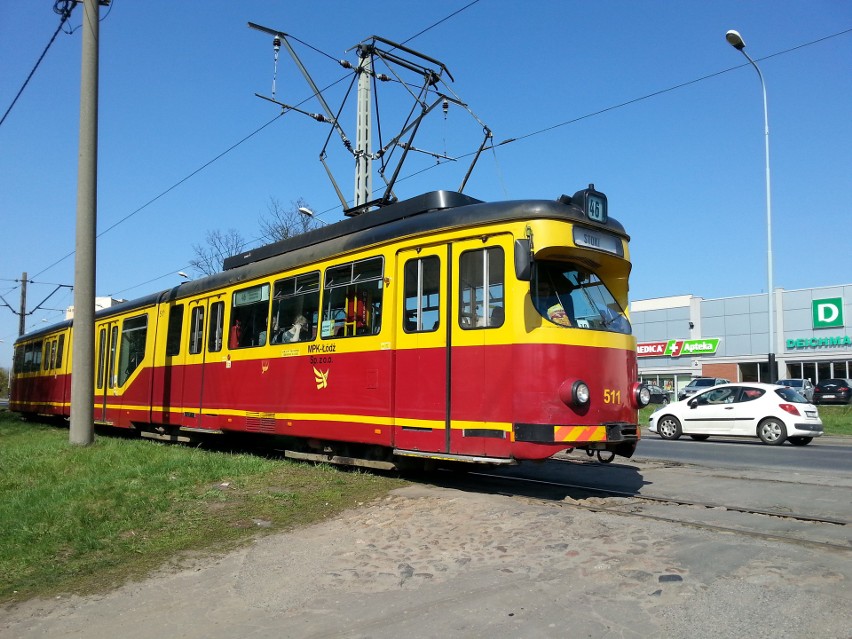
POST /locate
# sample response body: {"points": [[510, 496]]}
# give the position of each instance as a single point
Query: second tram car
{"points": [[439, 327]]}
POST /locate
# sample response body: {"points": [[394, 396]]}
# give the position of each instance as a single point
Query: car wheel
{"points": [[665, 401], [668, 427], [700, 438], [772, 431], [800, 441]]}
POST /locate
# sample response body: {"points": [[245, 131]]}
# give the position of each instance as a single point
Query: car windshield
{"points": [[702, 382], [790, 395], [570, 295], [796, 383]]}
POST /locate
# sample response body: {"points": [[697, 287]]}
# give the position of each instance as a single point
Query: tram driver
{"points": [[558, 308]]}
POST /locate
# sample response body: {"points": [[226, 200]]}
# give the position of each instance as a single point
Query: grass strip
{"points": [[86, 519]]}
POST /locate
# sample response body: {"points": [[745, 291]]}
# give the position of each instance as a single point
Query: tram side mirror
{"points": [[523, 260]]}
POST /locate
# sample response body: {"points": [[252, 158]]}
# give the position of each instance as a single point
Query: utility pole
{"points": [[363, 129], [82, 428], [23, 314]]}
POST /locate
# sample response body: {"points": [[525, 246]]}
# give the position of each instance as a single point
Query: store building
{"points": [[686, 336]]}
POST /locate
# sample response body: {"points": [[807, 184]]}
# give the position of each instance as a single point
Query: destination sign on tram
{"points": [[598, 240]]}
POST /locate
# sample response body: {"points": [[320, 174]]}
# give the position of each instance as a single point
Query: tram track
{"points": [[634, 501]]}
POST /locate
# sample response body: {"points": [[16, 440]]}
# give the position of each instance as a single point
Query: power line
{"points": [[168, 190], [64, 9]]}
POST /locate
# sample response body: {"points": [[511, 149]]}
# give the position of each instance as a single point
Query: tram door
{"points": [[206, 326], [105, 373], [420, 377], [480, 366]]}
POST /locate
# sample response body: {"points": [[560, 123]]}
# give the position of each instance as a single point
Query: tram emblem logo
{"points": [[321, 378]]}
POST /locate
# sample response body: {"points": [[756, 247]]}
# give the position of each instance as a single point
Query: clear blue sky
{"points": [[684, 170]]}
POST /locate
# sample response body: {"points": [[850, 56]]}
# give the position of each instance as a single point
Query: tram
{"points": [[436, 329]]}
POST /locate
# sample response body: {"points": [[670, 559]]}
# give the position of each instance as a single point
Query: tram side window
{"points": [[101, 356], [174, 331], [249, 317], [481, 290], [422, 288], [45, 360], [295, 308], [52, 364], [196, 330], [352, 302], [217, 326], [113, 346], [134, 333], [36, 364], [32, 357], [18, 364], [60, 350]]}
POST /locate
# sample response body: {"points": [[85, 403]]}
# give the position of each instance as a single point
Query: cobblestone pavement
{"points": [[437, 562]]}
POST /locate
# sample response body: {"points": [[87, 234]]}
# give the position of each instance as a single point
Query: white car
{"points": [[770, 412]]}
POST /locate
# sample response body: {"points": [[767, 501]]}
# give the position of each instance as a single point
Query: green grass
{"points": [[837, 420], [85, 519]]}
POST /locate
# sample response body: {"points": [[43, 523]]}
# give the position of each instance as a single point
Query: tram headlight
{"points": [[575, 393], [580, 393], [641, 395]]}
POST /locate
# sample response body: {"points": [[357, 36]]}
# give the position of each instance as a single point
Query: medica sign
{"points": [[678, 347]]}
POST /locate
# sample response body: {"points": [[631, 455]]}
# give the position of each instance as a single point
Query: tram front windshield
{"points": [[569, 295]]}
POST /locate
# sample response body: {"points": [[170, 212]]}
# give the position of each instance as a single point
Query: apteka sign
{"points": [[678, 347]]}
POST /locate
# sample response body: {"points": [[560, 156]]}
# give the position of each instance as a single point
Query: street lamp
{"points": [[304, 210], [736, 41]]}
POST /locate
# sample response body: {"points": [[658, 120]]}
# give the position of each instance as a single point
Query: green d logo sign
{"points": [[828, 313]]}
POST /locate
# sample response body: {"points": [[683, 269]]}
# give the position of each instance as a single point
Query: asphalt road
{"points": [[826, 454]]}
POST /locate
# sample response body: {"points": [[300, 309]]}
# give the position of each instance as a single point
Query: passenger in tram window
{"points": [[294, 333], [235, 335]]}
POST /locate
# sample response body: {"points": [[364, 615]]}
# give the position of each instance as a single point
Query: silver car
{"points": [[802, 386], [699, 384]]}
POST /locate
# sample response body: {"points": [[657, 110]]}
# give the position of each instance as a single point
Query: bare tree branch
{"points": [[218, 245], [281, 223]]}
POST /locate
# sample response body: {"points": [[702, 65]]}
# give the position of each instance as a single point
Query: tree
{"points": [[218, 245], [278, 224], [281, 223], [4, 382]]}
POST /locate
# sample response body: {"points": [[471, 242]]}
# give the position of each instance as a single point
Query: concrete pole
{"points": [[82, 431]]}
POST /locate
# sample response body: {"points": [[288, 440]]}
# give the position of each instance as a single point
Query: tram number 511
{"points": [[612, 396]]}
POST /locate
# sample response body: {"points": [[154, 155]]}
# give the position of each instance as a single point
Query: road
{"points": [[826, 454]]}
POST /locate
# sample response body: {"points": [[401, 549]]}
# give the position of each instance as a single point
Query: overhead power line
{"points": [[64, 9]]}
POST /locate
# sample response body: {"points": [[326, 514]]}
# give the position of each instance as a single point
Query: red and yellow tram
{"points": [[440, 327]]}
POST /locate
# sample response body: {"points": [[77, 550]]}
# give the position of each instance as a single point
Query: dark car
{"points": [[700, 384], [659, 395], [833, 391]]}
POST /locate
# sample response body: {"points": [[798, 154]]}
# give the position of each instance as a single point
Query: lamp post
{"points": [[736, 41], [304, 210]]}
